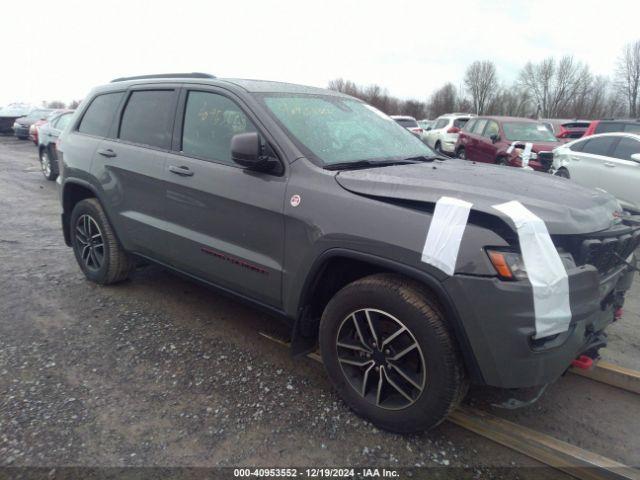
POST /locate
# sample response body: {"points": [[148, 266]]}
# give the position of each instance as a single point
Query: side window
{"points": [[479, 126], [469, 125], [606, 127], [210, 120], [632, 127], [460, 122], [625, 148], [442, 123], [63, 121], [147, 118], [492, 129], [599, 146], [99, 115]]}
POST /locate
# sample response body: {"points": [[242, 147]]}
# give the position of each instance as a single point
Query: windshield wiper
{"points": [[368, 164], [427, 158]]}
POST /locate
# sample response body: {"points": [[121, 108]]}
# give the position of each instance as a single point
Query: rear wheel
{"points": [[390, 355], [501, 161], [48, 165], [98, 251], [461, 154], [438, 147], [563, 172]]}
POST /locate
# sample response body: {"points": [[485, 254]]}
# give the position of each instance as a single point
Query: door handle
{"points": [[184, 171], [609, 164], [107, 153]]}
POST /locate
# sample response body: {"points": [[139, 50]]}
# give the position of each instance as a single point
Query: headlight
{"points": [[510, 265]]}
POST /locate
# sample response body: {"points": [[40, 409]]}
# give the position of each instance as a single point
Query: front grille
{"points": [[605, 251], [546, 160]]}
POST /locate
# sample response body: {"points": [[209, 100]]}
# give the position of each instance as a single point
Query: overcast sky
{"points": [[58, 50]]}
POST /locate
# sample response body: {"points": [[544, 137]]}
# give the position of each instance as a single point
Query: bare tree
{"points": [[444, 100], [481, 81], [74, 104], [628, 76]]}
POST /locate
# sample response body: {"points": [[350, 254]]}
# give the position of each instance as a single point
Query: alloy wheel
{"points": [[381, 359], [90, 243], [45, 163]]}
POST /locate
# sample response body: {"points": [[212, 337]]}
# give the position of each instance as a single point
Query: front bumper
{"points": [[499, 322]]}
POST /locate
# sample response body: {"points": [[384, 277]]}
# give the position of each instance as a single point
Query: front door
{"points": [[226, 224]]}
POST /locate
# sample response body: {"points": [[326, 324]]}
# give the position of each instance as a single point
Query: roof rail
{"points": [[165, 75]]}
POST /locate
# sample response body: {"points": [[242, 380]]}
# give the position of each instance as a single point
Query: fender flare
{"points": [[300, 347]]}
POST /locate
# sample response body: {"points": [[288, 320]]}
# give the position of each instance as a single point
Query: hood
{"points": [[565, 207]]}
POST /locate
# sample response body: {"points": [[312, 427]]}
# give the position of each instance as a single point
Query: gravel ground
{"points": [[162, 372]]}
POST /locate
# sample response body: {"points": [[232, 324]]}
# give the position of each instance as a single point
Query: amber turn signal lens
{"points": [[500, 264]]}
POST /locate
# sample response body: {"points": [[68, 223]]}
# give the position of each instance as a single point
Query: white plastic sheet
{"points": [[445, 233], [545, 270], [526, 153]]}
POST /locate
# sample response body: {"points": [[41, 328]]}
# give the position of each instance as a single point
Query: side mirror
{"points": [[494, 138], [246, 150], [636, 157]]}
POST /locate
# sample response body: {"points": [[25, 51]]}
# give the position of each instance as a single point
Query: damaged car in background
{"points": [[414, 276]]}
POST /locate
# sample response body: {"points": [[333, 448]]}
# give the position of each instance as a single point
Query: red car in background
{"points": [[613, 125], [566, 130], [33, 129], [518, 142]]}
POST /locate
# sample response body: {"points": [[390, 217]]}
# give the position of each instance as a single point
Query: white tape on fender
{"points": [[526, 155], [445, 233], [545, 270]]}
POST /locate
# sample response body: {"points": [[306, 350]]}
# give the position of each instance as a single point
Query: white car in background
{"points": [[610, 161], [444, 134]]}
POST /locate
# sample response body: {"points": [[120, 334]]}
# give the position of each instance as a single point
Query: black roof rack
{"points": [[165, 75]]}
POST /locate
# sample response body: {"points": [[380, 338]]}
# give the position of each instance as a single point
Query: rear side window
{"points": [[147, 118], [492, 129], [625, 148], [210, 121], [443, 122], [469, 125], [460, 122], [599, 146], [479, 126], [99, 116], [606, 127]]}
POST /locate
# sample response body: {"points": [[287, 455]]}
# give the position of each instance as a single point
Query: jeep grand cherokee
{"points": [[415, 276]]}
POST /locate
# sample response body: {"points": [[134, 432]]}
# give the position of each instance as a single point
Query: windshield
{"points": [[38, 114], [527, 132], [338, 130]]}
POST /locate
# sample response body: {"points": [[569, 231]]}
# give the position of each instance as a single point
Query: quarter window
{"points": [[210, 121], [147, 118], [469, 125], [479, 126], [99, 115], [625, 148]]}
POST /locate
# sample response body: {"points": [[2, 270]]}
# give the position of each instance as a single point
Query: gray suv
{"points": [[415, 276]]}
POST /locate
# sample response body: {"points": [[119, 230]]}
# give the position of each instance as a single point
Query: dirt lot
{"points": [[160, 371]]}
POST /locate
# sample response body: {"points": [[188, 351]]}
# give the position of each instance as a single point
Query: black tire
{"points": [[563, 172], [48, 164], [502, 161], [461, 154], [104, 265], [444, 382], [438, 147]]}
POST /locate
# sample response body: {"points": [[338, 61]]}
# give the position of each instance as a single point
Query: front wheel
{"points": [[389, 353], [461, 154], [563, 172]]}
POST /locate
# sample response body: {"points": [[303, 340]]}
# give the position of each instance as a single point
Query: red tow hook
{"points": [[617, 315], [583, 362]]}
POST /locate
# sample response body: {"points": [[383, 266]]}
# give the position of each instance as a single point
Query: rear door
{"points": [[130, 168], [621, 176], [486, 148], [587, 166], [226, 223], [475, 138]]}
